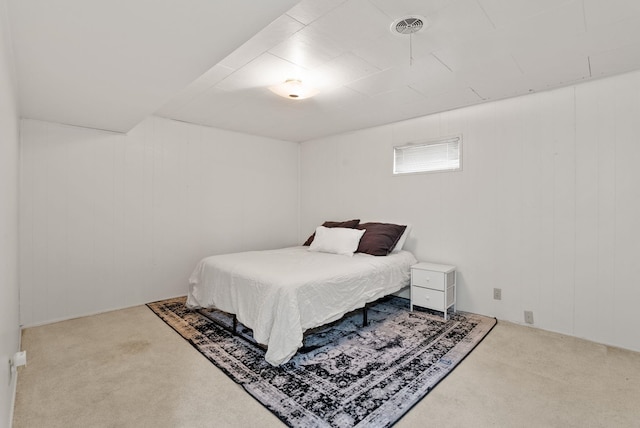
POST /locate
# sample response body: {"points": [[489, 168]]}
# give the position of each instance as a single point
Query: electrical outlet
{"points": [[497, 294], [19, 359], [528, 317]]}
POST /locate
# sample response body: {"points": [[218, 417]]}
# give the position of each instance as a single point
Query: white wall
{"points": [[9, 323], [111, 220], [547, 206]]}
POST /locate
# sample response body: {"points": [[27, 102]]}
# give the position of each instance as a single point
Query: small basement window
{"points": [[438, 155]]}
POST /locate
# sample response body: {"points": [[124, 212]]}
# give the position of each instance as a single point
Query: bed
{"points": [[281, 293]]}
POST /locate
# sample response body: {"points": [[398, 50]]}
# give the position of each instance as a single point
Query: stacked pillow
{"points": [[336, 240], [379, 239], [350, 224], [347, 237]]}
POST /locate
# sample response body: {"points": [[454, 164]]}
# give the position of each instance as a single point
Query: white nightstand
{"points": [[433, 286]]}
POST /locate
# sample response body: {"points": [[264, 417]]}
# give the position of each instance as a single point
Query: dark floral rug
{"points": [[353, 376]]}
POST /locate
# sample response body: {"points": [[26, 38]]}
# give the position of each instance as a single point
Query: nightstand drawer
{"points": [[427, 279], [433, 286], [427, 298]]}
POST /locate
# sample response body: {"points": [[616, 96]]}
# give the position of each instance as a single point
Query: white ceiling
{"points": [[108, 64]]}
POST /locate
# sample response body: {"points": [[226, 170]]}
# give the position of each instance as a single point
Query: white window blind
{"points": [[440, 155]]}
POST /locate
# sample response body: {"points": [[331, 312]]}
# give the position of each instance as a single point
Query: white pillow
{"points": [[336, 240], [402, 239]]}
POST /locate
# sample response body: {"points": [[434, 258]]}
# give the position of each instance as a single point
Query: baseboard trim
{"points": [[14, 381], [90, 314], [14, 384]]}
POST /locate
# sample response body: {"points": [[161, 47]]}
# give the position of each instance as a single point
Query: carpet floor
{"points": [[353, 376]]}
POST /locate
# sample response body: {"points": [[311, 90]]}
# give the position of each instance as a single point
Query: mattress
{"points": [[281, 293]]}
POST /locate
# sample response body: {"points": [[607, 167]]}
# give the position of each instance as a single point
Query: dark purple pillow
{"points": [[379, 238], [349, 224]]}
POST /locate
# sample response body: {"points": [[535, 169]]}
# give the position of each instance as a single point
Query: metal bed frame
{"points": [[233, 329]]}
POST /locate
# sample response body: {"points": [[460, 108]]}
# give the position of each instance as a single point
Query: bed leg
{"points": [[365, 321], [235, 324]]}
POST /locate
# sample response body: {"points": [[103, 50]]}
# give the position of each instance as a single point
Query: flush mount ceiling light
{"points": [[294, 89]]}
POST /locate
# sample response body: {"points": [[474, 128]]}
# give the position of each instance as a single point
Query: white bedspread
{"points": [[281, 293]]}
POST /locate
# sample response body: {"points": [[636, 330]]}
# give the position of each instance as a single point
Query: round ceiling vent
{"points": [[408, 25]]}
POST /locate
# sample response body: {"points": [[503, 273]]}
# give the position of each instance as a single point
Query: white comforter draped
{"points": [[281, 293]]}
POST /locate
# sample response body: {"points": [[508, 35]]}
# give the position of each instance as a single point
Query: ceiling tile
{"points": [[430, 77], [343, 70], [598, 12], [494, 79], [531, 49], [460, 20], [385, 51], [546, 29], [555, 70], [308, 11], [272, 35], [206, 81], [460, 97], [460, 35], [344, 99], [478, 50], [397, 97], [352, 24], [215, 74], [211, 104], [294, 120], [400, 8], [383, 81], [566, 64], [264, 71], [610, 37], [615, 61], [385, 107], [562, 25], [308, 48], [509, 12]]}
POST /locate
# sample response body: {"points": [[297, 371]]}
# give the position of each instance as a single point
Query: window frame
{"points": [[430, 142]]}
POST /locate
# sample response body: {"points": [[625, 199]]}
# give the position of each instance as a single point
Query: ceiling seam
{"points": [[433, 54], [486, 14]]}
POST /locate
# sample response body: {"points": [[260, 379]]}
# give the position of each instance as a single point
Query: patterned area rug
{"points": [[353, 376]]}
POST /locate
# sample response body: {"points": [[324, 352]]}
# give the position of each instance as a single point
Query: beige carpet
{"points": [[128, 368]]}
